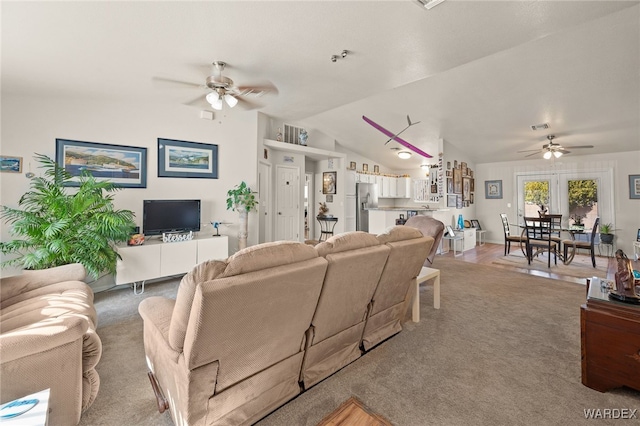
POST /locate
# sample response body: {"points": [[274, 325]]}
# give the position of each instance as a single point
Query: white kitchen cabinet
{"points": [[403, 185], [350, 183]]}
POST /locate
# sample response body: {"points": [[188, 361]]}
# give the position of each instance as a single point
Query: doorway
{"points": [[265, 221], [578, 196], [308, 206], [287, 203]]}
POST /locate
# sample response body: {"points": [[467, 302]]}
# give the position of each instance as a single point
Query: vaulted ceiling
{"points": [[477, 74]]}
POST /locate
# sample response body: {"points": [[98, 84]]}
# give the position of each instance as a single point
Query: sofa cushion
{"points": [[398, 233], [348, 241], [268, 255], [68, 298]]}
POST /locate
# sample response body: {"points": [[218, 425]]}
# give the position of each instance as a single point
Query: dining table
{"points": [[573, 231]]}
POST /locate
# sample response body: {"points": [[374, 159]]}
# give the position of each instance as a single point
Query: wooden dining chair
{"points": [[538, 233], [556, 227], [508, 238], [587, 245]]}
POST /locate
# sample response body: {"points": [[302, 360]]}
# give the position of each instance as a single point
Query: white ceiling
{"points": [[477, 74]]}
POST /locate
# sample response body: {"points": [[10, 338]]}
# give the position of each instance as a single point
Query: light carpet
{"points": [[504, 349], [580, 266]]}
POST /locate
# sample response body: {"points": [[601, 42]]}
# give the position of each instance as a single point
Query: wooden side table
{"points": [[425, 275], [610, 341]]}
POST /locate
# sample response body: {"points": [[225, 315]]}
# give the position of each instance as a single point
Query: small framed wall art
{"points": [[329, 182], [10, 164], [634, 186], [493, 189]]}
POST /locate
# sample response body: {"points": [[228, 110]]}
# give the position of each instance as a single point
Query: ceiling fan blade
{"points": [[178, 82], [535, 153], [579, 146], [199, 102], [247, 104], [564, 151], [256, 90], [529, 150]]}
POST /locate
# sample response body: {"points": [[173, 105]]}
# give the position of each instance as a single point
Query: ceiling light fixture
{"points": [[404, 155], [547, 155], [429, 4], [557, 154], [215, 100], [425, 166]]}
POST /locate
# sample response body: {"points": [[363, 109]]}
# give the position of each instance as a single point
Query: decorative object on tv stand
{"points": [[176, 237], [242, 200], [56, 227]]}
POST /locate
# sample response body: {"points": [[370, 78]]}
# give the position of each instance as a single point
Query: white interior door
{"points": [[265, 214], [287, 203]]}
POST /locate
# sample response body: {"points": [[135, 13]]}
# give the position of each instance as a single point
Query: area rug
{"points": [[580, 267], [353, 413]]}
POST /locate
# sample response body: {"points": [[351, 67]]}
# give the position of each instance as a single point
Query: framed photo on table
{"points": [[476, 224], [123, 165]]}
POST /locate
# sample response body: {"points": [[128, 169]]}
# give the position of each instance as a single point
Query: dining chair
{"points": [[556, 227], [538, 233], [508, 238], [587, 245]]}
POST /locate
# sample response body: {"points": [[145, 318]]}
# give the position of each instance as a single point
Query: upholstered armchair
{"points": [[48, 340], [429, 227]]}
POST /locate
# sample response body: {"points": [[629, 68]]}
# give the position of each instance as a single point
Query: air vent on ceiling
{"points": [[542, 126], [291, 134]]}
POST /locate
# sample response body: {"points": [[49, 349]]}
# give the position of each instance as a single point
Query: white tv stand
{"points": [[155, 259]]}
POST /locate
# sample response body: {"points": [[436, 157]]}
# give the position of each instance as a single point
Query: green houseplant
{"points": [[56, 225], [242, 200], [606, 233]]}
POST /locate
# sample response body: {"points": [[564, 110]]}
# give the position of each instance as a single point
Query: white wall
{"points": [[626, 210], [31, 125]]}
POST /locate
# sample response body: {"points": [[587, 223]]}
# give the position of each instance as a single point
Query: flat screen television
{"points": [[161, 216]]}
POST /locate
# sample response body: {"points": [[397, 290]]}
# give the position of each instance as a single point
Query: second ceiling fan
{"points": [[553, 149]]}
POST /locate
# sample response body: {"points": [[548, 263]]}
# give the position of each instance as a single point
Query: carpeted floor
{"points": [[580, 266], [504, 349]]}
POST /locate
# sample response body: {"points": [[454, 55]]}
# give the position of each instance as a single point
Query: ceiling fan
{"points": [[222, 89], [553, 149]]}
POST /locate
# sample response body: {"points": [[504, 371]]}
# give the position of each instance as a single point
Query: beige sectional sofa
{"points": [[48, 340], [246, 335]]}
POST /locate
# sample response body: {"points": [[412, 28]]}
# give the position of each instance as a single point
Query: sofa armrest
{"points": [[41, 337], [156, 312], [30, 280]]}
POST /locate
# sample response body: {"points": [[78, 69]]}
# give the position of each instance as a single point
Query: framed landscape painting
{"points": [[123, 165], [10, 164], [184, 159]]}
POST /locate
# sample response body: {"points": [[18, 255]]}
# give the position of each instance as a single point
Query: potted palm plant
{"points": [[55, 226], [242, 200], [606, 233]]}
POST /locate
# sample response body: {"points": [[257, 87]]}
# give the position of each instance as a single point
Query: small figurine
{"points": [[625, 288], [279, 135]]}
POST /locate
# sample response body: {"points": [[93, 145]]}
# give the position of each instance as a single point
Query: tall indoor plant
{"points": [[56, 225], [242, 200]]}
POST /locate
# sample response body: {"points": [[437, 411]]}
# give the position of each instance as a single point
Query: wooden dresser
{"points": [[610, 333]]}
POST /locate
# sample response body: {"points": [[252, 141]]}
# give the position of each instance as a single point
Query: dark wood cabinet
{"points": [[610, 334]]}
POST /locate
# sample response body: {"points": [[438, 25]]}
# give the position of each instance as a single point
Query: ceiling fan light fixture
{"points": [[557, 154], [547, 155], [230, 100], [429, 4], [404, 155], [215, 100]]}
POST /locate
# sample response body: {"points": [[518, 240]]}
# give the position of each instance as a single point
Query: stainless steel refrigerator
{"points": [[366, 198]]}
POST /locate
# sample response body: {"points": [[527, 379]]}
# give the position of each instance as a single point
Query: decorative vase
{"points": [[303, 137], [460, 222], [244, 229]]}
